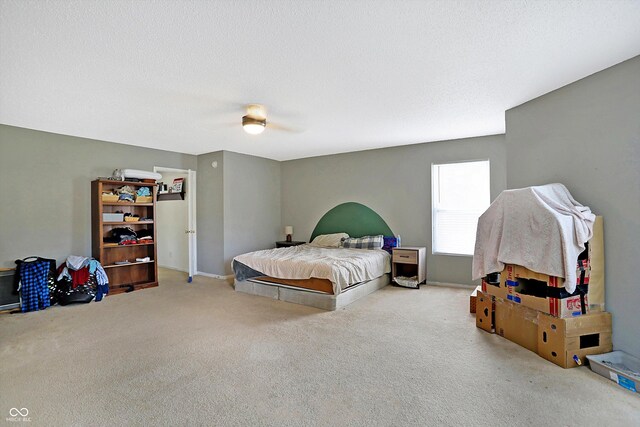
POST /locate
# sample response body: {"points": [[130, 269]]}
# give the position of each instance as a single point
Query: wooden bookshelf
{"points": [[134, 275]]}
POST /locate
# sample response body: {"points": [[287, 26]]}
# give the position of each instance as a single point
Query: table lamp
{"points": [[288, 230]]}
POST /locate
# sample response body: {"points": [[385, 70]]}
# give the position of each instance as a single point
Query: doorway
{"points": [[176, 222]]}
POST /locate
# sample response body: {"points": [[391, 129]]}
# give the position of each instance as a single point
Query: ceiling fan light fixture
{"points": [[252, 125]]}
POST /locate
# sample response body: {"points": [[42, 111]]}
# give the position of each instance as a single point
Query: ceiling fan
{"points": [[255, 121]]}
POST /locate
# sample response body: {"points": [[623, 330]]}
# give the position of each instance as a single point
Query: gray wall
{"points": [[210, 213], [394, 182], [251, 205], [587, 136], [46, 189], [238, 208]]}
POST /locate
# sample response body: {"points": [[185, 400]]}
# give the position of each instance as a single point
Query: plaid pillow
{"points": [[366, 242]]}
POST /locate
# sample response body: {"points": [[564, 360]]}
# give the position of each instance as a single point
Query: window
{"points": [[459, 195]]}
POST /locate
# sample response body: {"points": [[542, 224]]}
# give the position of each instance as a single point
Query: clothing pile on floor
{"points": [[79, 271], [40, 284]]}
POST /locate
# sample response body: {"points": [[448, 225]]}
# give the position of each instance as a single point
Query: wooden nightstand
{"points": [[285, 244], [409, 261]]}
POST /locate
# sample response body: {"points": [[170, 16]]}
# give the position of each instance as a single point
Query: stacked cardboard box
{"points": [[547, 293], [472, 299], [485, 309], [535, 311], [565, 342], [517, 323]]}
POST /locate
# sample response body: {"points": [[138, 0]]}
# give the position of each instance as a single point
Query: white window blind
{"points": [[460, 194]]}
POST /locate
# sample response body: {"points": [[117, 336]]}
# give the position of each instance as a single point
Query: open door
{"points": [[177, 223], [191, 201]]}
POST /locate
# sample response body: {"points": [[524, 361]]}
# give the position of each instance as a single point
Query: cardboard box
{"points": [[543, 292], [596, 264], [485, 308], [567, 341], [517, 323], [516, 281], [472, 299], [494, 287]]}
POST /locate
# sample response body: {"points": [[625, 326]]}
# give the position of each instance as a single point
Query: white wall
{"points": [[172, 221], [587, 136]]}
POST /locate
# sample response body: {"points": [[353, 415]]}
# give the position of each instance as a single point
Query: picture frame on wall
{"points": [[177, 185]]}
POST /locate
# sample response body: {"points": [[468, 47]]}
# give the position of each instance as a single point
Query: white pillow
{"points": [[329, 240]]}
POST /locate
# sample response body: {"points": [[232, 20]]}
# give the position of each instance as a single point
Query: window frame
{"points": [[433, 199]]}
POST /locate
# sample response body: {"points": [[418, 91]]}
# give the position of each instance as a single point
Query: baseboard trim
{"points": [[173, 268], [451, 285], [215, 276]]}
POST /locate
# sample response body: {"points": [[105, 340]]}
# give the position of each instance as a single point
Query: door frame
{"points": [[191, 207]]}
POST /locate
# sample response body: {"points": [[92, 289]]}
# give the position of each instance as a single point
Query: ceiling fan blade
{"points": [[276, 126]]}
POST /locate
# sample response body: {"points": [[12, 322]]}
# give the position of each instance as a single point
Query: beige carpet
{"points": [[203, 354]]}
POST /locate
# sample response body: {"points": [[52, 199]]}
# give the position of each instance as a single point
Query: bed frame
{"points": [[353, 218], [312, 298]]}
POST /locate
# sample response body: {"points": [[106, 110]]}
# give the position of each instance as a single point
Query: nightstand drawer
{"points": [[403, 256]]}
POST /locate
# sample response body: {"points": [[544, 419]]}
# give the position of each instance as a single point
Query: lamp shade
{"points": [[288, 229]]}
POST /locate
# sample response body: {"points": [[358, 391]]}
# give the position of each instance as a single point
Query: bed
{"points": [[321, 275]]}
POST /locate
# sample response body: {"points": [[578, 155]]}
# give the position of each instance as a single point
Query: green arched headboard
{"points": [[352, 218]]}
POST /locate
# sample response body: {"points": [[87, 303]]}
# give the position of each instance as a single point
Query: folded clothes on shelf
{"points": [[125, 197], [143, 191]]}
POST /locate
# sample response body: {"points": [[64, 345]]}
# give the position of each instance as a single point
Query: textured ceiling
{"points": [[342, 75]]}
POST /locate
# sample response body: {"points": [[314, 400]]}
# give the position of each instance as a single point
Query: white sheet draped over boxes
{"points": [[533, 237], [541, 228]]}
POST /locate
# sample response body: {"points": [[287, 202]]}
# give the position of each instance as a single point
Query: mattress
{"points": [[340, 266]]}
